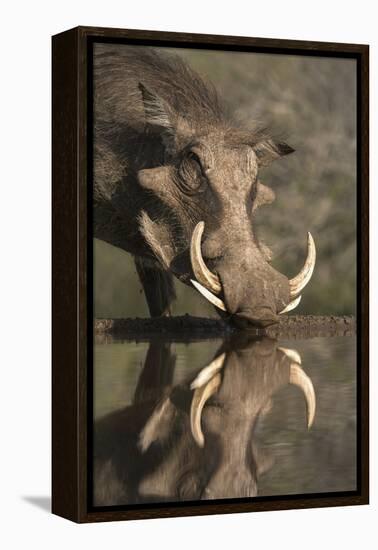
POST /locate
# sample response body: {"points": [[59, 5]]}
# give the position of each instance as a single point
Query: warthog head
{"points": [[207, 181], [229, 397]]}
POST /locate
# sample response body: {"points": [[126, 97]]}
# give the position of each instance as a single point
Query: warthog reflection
{"points": [[194, 440]]}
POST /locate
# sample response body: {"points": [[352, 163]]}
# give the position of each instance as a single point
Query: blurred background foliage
{"points": [[311, 102]]}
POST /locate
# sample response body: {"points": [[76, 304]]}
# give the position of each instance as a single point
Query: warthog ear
{"points": [[157, 110], [269, 150], [161, 117]]}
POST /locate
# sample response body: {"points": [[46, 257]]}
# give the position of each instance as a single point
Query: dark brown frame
{"points": [[71, 317]]}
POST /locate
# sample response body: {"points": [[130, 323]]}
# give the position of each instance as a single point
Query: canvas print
{"points": [[224, 220]]}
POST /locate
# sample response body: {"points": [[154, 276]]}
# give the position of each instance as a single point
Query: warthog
{"points": [[176, 184], [195, 440]]}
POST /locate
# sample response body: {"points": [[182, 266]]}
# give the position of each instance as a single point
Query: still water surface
{"points": [[165, 429]]}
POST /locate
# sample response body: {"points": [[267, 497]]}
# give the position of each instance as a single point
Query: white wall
{"points": [[25, 270]]}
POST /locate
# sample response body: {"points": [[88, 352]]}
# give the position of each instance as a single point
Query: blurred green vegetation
{"points": [[118, 366], [311, 101], [323, 458]]}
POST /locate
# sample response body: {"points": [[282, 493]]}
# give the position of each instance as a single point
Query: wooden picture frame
{"points": [[72, 353]]}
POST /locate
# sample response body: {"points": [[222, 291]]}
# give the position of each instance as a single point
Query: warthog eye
{"points": [[191, 177]]}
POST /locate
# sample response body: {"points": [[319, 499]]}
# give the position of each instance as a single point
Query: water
{"points": [[152, 443]]}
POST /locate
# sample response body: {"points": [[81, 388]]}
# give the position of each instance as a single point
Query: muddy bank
{"points": [[311, 326], [188, 328]]}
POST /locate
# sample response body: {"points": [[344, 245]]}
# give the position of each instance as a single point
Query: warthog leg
{"points": [[158, 287]]}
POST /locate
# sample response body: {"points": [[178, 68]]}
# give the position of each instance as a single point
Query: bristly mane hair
{"points": [[118, 70], [132, 83]]}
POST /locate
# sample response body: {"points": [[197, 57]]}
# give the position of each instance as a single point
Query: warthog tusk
{"points": [[203, 275], [298, 283], [291, 305], [299, 378], [292, 354], [208, 372], [208, 295], [201, 395]]}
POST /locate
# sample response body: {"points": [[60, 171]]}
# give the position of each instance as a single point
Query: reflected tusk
{"points": [[208, 372], [292, 354], [203, 275], [292, 305], [299, 378], [298, 283], [201, 395], [209, 296]]}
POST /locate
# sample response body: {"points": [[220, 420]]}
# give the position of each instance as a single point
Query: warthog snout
{"points": [[246, 286]]}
